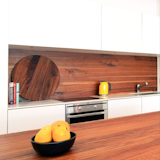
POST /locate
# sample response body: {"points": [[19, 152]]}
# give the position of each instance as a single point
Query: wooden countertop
{"points": [[128, 138]]}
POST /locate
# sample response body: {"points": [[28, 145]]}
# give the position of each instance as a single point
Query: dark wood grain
{"points": [[38, 77], [81, 72], [127, 138]]}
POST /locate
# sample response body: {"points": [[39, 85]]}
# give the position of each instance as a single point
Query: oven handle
{"points": [[84, 115]]}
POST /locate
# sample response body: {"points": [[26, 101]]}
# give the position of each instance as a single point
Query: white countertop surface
{"points": [[52, 102], [129, 95], [30, 104]]}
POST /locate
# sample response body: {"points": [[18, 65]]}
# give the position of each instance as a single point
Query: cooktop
{"points": [[77, 99]]}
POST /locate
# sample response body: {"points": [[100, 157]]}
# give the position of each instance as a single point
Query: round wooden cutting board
{"points": [[38, 77]]}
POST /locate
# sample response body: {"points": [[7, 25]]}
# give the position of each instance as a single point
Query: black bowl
{"points": [[53, 148]]}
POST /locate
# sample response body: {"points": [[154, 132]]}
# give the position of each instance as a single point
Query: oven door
{"points": [[86, 116]]}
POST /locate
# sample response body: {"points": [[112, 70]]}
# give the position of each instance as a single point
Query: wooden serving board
{"points": [[38, 77]]}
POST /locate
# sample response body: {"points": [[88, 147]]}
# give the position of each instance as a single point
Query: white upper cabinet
{"points": [[79, 24], [55, 23], [121, 30], [150, 34]]}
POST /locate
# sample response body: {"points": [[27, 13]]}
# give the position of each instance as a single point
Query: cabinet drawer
{"points": [[150, 104], [34, 118], [124, 107]]}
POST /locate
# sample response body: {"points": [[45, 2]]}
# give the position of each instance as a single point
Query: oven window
{"points": [[88, 118]]}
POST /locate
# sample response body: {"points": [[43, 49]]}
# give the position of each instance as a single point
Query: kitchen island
{"points": [[126, 138]]}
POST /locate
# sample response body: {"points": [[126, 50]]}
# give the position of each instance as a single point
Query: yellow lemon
{"points": [[44, 135], [61, 133], [59, 123]]}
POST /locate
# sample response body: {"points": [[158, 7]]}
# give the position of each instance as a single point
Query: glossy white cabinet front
{"points": [[121, 30], [150, 104], [150, 34], [55, 23], [34, 118], [79, 24], [124, 107]]}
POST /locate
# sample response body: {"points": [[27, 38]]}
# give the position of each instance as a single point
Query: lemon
{"points": [[61, 133], [44, 135], [59, 123]]}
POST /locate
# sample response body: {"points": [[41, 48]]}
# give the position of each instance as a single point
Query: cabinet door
{"points": [[150, 104], [124, 107], [55, 23], [121, 30], [151, 34], [34, 118]]}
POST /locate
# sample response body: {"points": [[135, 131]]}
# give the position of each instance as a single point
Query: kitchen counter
{"points": [[30, 104], [129, 95], [131, 138], [50, 102]]}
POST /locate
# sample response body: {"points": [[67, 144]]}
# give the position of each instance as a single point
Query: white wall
{"points": [[145, 6], [3, 65], [158, 7]]}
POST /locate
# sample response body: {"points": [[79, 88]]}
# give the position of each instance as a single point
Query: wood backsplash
{"points": [[80, 73]]}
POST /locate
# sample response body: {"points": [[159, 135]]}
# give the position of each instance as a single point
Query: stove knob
{"points": [[79, 108], [95, 106]]}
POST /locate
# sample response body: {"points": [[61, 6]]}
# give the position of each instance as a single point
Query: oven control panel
{"points": [[86, 107]]}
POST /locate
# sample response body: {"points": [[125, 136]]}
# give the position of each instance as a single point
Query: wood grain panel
{"points": [[127, 138], [104, 73], [80, 73], [85, 89]]}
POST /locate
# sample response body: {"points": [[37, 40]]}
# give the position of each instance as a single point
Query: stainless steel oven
{"points": [[86, 111]]}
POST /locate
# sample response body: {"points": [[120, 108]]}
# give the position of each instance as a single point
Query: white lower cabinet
{"points": [[34, 118], [124, 107], [150, 104]]}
